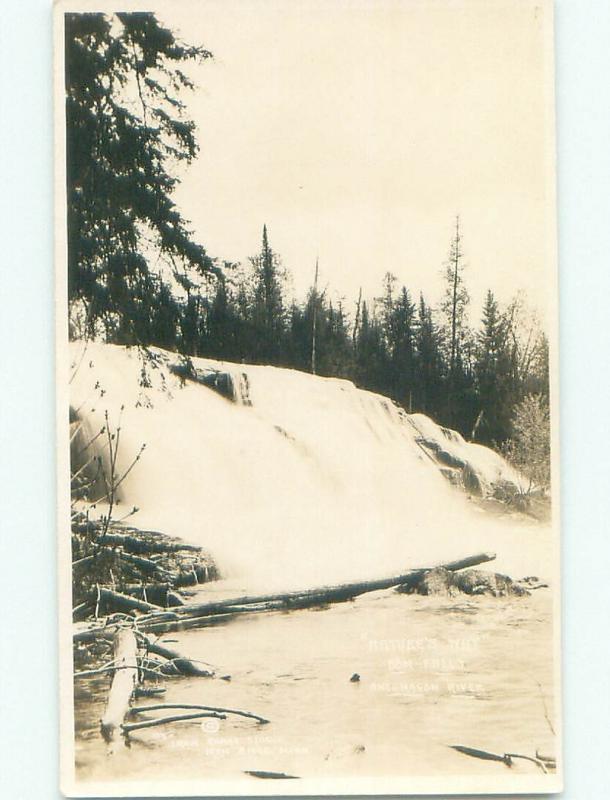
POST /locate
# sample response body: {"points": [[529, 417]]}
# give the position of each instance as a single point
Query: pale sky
{"points": [[358, 130]]}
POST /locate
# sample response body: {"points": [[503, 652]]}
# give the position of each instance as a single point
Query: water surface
{"points": [[433, 672]]}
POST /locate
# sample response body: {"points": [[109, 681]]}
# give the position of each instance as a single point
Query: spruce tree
{"points": [[398, 321], [454, 306], [371, 360], [126, 129], [492, 375], [268, 305], [429, 369]]}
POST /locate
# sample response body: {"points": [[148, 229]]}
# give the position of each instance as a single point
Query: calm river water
{"points": [[433, 672]]}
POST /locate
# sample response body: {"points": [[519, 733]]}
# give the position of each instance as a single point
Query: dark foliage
{"points": [[126, 129]]}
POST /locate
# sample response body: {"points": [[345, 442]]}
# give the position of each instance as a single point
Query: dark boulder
{"points": [[440, 581]]}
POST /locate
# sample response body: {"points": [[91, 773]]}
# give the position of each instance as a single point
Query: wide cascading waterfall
{"points": [[292, 479]]}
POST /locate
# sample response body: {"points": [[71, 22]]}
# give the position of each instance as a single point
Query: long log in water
{"points": [[153, 723], [311, 597], [195, 706], [190, 615], [123, 683], [182, 664]]}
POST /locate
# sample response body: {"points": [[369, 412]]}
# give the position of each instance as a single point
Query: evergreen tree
{"points": [[398, 327], [492, 370], [454, 308], [268, 311], [333, 340], [337, 353], [429, 370], [221, 324], [192, 328], [164, 318], [299, 336], [370, 369], [125, 128]]}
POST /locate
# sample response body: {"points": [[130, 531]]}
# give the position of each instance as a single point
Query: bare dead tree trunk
{"points": [[357, 317], [315, 315]]}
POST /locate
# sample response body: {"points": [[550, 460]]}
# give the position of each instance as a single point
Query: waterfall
{"points": [[292, 479]]}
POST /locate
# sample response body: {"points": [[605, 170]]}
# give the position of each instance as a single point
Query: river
{"points": [[434, 671]]}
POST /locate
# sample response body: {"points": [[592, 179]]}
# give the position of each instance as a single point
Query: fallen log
{"points": [[123, 683], [263, 773], [139, 546], [178, 624], [145, 564], [82, 610], [549, 761], [155, 593], [140, 539], [325, 594], [174, 599], [191, 615], [82, 562], [483, 754], [505, 758], [158, 594], [142, 670], [535, 761], [196, 706], [195, 574], [148, 691], [153, 723], [110, 600], [184, 665]]}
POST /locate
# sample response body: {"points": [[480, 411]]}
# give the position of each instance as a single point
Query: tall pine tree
{"points": [[125, 128], [268, 309], [454, 306], [429, 370]]}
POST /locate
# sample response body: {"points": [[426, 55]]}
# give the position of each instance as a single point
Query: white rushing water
{"points": [[302, 480]]}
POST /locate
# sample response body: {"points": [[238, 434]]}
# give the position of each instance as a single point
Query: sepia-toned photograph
{"points": [[306, 315]]}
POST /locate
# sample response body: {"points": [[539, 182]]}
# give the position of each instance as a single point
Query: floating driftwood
{"points": [[261, 773], [153, 723], [505, 758], [198, 707], [183, 665]]}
